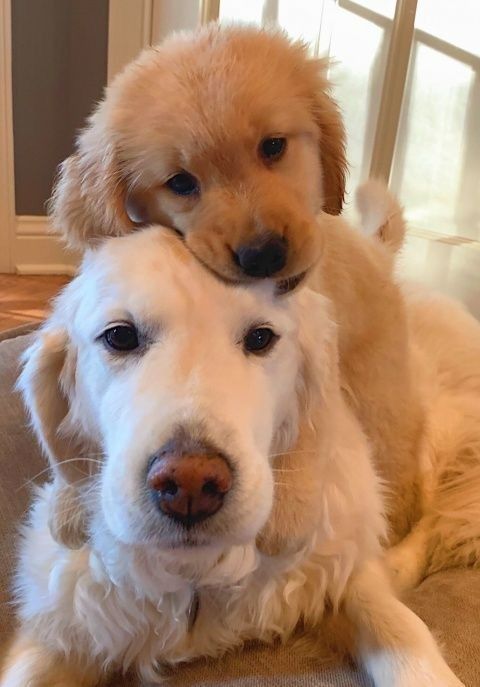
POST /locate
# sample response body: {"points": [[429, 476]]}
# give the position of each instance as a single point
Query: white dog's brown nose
{"points": [[263, 258], [190, 488]]}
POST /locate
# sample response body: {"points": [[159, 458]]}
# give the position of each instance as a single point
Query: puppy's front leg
{"points": [[30, 664], [394, 645]]}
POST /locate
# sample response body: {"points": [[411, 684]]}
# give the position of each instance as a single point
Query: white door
{"points": [[55, 58]]}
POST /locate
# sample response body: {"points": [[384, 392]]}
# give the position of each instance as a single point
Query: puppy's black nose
{"points": [[262, 258]]}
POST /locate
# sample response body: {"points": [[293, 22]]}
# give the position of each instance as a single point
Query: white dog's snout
{"points": [[189, 478]]}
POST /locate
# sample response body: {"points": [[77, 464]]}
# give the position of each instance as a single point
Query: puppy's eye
{"points": [[121, 337], [183, 184], [259, 340], [272, 149]]}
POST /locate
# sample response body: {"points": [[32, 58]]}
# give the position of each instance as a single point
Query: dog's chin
{"points": [[289, 284], [189, 540], [282, 286], [235, 277]]}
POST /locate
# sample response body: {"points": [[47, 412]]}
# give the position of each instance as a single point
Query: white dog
{"points": [[170, 405]]}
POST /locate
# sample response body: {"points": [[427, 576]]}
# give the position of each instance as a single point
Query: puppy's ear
{"points": [[332, 145], [90, 193], [46, 382]]}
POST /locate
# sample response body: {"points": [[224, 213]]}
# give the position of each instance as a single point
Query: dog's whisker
{"points": [[45, 470], [291, 453], [73, 507], [85, 497]]}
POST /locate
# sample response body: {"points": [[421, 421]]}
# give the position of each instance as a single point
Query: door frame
{"points": [[7, 190], [27, 245]]}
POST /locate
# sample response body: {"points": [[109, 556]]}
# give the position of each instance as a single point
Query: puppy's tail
{"points": [[381, 214]]}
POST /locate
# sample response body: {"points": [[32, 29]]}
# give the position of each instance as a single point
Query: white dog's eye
{"points": [[121, 337], [273, 148], [183, 184], [259, 340]]}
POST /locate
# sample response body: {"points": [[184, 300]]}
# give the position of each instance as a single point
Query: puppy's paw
{"points": [[30, 664], [427, 678], [412, 670]]}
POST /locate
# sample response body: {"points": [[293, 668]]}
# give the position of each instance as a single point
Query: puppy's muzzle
{"points": [[189, 487]]}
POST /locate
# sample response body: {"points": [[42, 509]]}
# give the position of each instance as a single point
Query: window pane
{"points": [[245, 11], [302, 19], [384, 7], [59, 68], [457, 23], [360, 48], [436, 167]]}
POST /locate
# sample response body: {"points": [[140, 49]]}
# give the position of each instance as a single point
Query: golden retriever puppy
{"points": [[230, 136], [166, 400]]}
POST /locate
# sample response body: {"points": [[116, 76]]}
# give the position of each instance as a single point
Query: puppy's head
{"points": [[227, 135], [182, 387]]}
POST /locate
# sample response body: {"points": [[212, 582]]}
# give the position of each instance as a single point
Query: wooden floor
{"points": [[25, 299]]}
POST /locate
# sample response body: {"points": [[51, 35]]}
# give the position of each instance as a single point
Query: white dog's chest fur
{"points": [[127, 607]]}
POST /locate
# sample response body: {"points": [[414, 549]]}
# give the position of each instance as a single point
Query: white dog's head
{"points": [[185, 386]]}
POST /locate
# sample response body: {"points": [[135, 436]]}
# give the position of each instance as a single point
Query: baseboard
{"points": [[37, 251], [22, 268], [32, 225]]}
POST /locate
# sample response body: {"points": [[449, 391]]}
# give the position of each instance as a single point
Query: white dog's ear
{"points": [[298, 493], [47, 382], [319, 386], [90, 193]]}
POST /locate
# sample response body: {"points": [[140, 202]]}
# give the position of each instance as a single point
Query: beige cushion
{"points": [[449, 602], [20, 461]]}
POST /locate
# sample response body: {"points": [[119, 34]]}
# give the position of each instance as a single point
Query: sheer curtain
{"points": [[436, 167]]}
